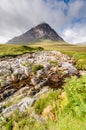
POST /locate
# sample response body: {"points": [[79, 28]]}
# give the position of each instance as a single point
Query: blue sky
{"points": [[67, 17], [66, 1]]}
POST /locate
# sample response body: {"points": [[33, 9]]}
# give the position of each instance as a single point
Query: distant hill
{"points": [[40, 32], [82, 44]]}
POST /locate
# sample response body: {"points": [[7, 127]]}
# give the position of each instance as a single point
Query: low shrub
{"points": [[53, 63], [35, 68]]}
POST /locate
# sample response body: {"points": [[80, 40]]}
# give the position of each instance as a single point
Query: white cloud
{"points": [[77, 34], [18, 16], [75, 8]]}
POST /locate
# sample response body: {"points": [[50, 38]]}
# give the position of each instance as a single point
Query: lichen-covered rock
{"points": [[68, 66]]}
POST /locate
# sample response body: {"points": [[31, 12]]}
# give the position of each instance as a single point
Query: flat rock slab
{"points": [[21, 106]]}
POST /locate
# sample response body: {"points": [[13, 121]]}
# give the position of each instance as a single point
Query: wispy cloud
{"points": [[18, 16]]}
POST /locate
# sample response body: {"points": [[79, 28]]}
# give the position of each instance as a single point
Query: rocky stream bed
{"points": [[27, 76]]}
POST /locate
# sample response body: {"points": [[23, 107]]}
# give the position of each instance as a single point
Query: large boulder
{"points": [[68, 66]]}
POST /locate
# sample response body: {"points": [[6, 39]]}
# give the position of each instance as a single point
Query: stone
{"points": [[82, 72], [54, 69], [53, 80], [68, 66], [53, 77], [25, 102], [3, 83], [41, 73], [23, 77], [21, 106], [47, 67], [6, 112], [7, 92], [9, 79], [14, 76], [32, 93], [42, 91], [27, 71], [22, 90], [35, 81], [42, 83]]}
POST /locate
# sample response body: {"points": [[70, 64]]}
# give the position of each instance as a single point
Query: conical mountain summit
{"points": [[40, 32]]}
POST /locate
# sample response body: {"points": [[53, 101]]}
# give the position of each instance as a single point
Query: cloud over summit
{"points": [[68, 19]]}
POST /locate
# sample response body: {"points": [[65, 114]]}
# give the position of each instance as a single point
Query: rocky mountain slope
{"points": [[42, 31]]}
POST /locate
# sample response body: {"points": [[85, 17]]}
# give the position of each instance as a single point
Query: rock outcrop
{"points": [[24, 78], [45, 68]]}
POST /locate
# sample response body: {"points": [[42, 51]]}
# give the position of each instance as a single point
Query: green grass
{"points": [[73, 116], [60, 46], [44, 101], [77, 52], [37, 67], [53, 63], [12, 49]]}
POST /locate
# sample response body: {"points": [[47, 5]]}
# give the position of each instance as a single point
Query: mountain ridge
{"points": [[42, 31]]}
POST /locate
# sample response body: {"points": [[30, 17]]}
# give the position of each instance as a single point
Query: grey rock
{"points": [[23, 77], [47, 67], [6, 112], [35, 81], [42, 91], [41, 73], [24, 103], [71, 69], [42, 83], [21, 106], [27, 71]]}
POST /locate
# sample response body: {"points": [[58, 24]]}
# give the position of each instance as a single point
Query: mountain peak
{"points": [[43, 25], [41, 31]]}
